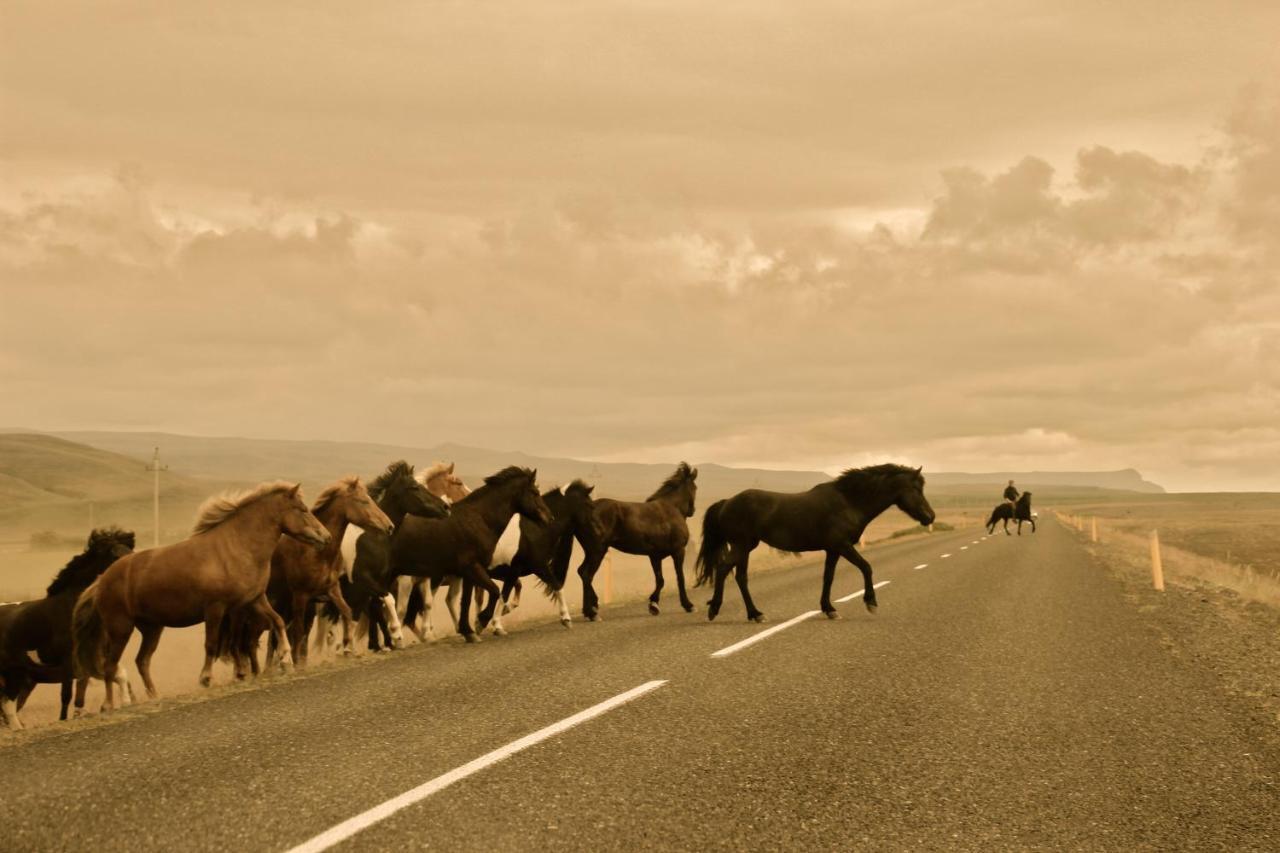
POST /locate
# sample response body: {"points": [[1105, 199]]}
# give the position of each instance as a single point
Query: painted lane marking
{"points": [[921, 566], [362, 821], [964, 547], [782, 626], [974, 542], [851, 596], [944, 556]]}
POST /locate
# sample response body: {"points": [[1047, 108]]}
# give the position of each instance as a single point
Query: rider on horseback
{"points": [[1011, 495]]}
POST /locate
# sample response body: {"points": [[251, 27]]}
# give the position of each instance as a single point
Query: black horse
{"points": [[1020, 512], [43, 626], [462, 544], [656, 528], [829, 517]]}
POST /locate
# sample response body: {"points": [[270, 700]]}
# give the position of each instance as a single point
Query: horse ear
{"points": [[297, 487], [450, 469], [693, 475], [534, 476], [590, 489]]}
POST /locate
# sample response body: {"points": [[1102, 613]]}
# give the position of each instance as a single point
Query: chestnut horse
{"points": [[300, 574], [223, 565]]}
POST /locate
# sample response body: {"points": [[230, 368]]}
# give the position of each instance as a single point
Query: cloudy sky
{"points": [[969, 235]]}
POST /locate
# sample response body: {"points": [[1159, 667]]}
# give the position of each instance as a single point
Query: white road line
{"points": [[964, 547], [974, 542], [351, 826], [944, 556], [782, 626], [851, 596], [921, 566]]}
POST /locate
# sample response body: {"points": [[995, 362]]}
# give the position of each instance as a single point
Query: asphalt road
{"points": [[1005, 697]]}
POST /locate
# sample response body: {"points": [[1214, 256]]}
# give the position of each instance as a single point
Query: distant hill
{"points": [[1126, 480], [38, 468], [315, 463]]}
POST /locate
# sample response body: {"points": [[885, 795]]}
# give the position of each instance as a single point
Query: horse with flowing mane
{"points": [[656, 528], [223, 565], [43, 626], [462, 544], [829, 517], [1020, 512]]}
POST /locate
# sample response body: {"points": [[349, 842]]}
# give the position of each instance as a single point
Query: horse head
{"points": [[298, 522], [910, 498]]}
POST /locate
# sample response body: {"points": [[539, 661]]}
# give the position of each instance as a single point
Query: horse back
{"points": [[813, 520], [641, 527]]}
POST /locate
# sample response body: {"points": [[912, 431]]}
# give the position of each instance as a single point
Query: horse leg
{"points": [[451, 599], [558, 597], [464, 621], [392, 630], [404, 586], [719, 572], [480, 578], [677, 559], [656, 563], [65, 695], [587, 571], [1006, 526], [212, 628], [82, 686], [828, 576], [348, 620], [117, 637], [9, 710], [869, 591], [147, 648], [740, 575], [264, 611], [519, 587]]}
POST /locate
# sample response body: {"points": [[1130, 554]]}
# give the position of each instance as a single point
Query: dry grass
{"points": [[1126, 540]]}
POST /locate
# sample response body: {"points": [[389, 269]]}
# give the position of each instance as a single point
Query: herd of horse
{"points": [[263, 562]]}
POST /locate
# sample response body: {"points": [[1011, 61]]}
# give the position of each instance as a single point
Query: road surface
{"points": [[1006, 696]]}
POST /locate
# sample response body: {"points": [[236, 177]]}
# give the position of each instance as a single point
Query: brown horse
{"points": [[223, 565], [300, 574], [656, 528]]}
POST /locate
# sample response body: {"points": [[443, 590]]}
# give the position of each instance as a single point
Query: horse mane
{"points": [[395, 471], [331, 492], [673, 483], [219, 508], [84, 567], [433, 470], [506, 475], [878, 479], [578, 487]]}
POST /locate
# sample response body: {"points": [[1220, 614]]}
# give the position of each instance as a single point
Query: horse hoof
{"points": [[831, 614], [205, 681], [653, 609], [594, 617], [871, 607], [758, 617], [568, 623], [346, 653], [688, 606], [499, 632]]}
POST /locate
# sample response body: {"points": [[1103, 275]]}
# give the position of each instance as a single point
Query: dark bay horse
{"points": [[223, 565], [462, 544], [1020, 512], [656, 528], [544, 550], [43, 626], [829, 517]]}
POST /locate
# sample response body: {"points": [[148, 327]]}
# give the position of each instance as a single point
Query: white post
{"points": [[155, 468], [1157, 569], [1093, 528]]}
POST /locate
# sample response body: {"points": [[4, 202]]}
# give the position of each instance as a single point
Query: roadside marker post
{"points": [[1093, 528], [1157, 569]]}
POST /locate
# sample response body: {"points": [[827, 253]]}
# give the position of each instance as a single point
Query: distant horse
{"points": [[416, 600], [43, 626], [462, 545], [829, 517], [369, 589], [1020, 512], [544, 551], [300, 574], [223, 565], [656, 528]]}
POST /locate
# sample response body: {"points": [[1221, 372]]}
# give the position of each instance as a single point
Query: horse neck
{"points": [[335, 519], [392, 510], [677, 499], [494, 508], [870, 506], [253, 529]]}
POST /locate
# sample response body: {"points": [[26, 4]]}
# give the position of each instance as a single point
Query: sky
{"points": [[969, 236]]}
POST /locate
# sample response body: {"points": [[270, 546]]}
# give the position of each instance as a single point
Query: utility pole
{"points": [[155, 468]]}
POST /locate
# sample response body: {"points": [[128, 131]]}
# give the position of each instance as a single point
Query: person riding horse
{"points": [[1011, 494]]}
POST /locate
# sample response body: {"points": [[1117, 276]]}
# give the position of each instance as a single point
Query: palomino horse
{"points": [[1020, 512], [368, 590], [656, 528], [829, 517], [223, 565], [300, 574], [43, 626], [462, 545]]}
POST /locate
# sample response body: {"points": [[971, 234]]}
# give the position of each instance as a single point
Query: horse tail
{"points": [[560, 562], [87, 634], [713, 544], [995, 516]]}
